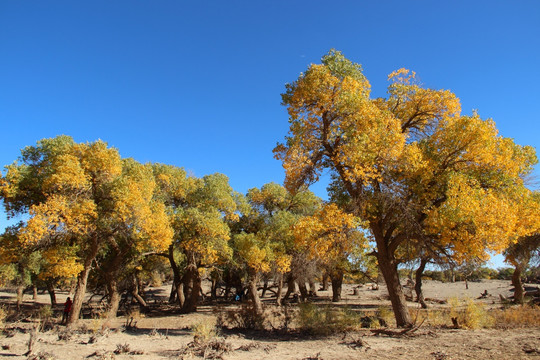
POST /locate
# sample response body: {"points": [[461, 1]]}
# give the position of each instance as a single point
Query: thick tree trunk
{"points": [[192, 287], [388, 267], [80, 291], [518, 286], [418, 283], [253, 293], [114, 297], [82, 281], [337, 282], [52, 293]]}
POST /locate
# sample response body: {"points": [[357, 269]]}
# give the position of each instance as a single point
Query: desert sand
{"points": [[163, 334]]}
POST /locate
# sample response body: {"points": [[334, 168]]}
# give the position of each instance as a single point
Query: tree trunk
{"points": [[177, 280], [303, 290], [34, 292], [418, 283], [390, 273], [114, 297], [52, 293], [265, 287], [324, 282], [253, 293], [337, 282], [518, 286], [82, 281], [312, 288], [135, 291], [80, 291], [290, 287], [20, 294], [192, 287], [279, 290]]}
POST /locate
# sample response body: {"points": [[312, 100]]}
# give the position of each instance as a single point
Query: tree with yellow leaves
{"points": [[411, 164], [84, 196], [198, 209], [330, 236]]}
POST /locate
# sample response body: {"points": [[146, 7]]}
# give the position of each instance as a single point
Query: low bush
{"points": [[327, 320]]}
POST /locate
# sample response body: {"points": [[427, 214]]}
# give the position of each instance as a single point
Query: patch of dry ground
{"points": [[164, 337]]}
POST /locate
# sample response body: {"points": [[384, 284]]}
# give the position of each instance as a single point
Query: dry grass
{"points": [[519, 316], [473, 315]]}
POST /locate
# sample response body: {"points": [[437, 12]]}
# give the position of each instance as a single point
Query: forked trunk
{"points": [[518, 286], [192, 287], [291, 284], [418, 283]]}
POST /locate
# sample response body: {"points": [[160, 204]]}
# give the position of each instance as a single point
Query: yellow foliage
{"points": [[330, 234]]}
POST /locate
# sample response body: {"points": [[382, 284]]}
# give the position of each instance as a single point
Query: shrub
{"points": [[326, 320], [244, 317], [470, 314], [516, 317], [204, 331]]}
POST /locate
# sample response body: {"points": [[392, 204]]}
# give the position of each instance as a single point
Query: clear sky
{"points": [[197, 84]]}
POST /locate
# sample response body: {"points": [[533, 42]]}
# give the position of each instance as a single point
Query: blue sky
{"points": [[197, 83]]}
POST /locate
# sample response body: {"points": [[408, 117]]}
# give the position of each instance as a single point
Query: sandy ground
{"points": [[166, 336]]}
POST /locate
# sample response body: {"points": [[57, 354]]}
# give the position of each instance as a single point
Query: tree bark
{"points": [[518, 285], [337, 282], [20, 294], [389, 270], [80, 291], [253, 293], [418, 283], [290, 287], [279, 290], [303, 290], [177, 280], [52, 293], [82, 281], [114, 297], [135, 291], [192, 287], [324, 282], [34, 292]]}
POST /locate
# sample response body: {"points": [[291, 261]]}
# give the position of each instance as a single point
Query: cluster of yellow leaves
{"points": [[252, 254], [329, 235], [61, 262]]}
